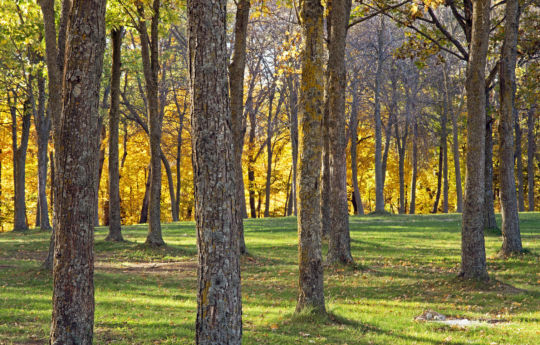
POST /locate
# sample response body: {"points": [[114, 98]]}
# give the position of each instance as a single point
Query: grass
{"points": [[405, 265]]}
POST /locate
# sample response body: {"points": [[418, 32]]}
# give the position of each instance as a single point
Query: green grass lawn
{"points": [[405, 266]]}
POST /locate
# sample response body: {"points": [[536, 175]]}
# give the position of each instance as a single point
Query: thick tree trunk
{"points": [[19, 162], [519, 161], [219, 312], [531, 150], [236, 83], [473, 253], [42, 122], [489, 209], [77, 145], [311, 294], [379, 184], [439, 178], [115, 223], [339, 243], [150, 58], [507, 83], [353, 131], [412, 204]]}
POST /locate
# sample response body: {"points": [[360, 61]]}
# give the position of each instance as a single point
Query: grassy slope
{"points": [[407, 264]]}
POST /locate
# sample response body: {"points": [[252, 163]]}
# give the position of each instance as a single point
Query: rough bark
{"points": [[150, 59], [77, 144], [115, 229], [353, 131], [339, 243], [531, 150], [379, 184], [473, 253], [219, 311], [507, 83], [238, 124], [310, 294], [20, 148]]}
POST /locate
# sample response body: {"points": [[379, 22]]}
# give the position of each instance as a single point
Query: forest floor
{"points": [[406, 265]]}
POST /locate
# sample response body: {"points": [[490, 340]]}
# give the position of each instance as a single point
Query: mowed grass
{"points": [[405, 266]]}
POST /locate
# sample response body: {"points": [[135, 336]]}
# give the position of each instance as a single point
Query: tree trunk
{"points": [[455, 144], [531, 149], [42, 122], [353, 131], [379, 184], [19, 161], [77, 145], [146, 198], [473, 253], [236, 83], [326, 220], [519, 160], [412, 205], [115, 223], [150, 56], [439, 178], [507, 83], [251, 163], [101, 161], [48, 262], [489, 209], [311, 294], [444, 147], [293, 123], [219, 311], [339, 243], [269, 134], [168, 172]]}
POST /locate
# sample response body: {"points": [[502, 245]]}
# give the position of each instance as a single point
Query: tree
{"points": [[379, 178], [219, 311], [115, 230], [473, 253], [507, 82], [311, 293], [76, 142], [236, 82], [339, 243], [531, 149], [150, 58]]}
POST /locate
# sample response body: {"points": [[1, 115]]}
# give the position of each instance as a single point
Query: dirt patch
{"points": [[148, 267]]}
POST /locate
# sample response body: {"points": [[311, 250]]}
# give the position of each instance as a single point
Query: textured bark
{"points": [[439, 178], [150, 58], [489, 209], [20, 148], [293, 125], [531, 150], [238, 124], [42, 122], [311, 294], [414, 175], [379, 184], [77, 144], [473, 253], [339, 241], [353, 132], [115, 229], [219, 311], [518, 154], [507, 83]]}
